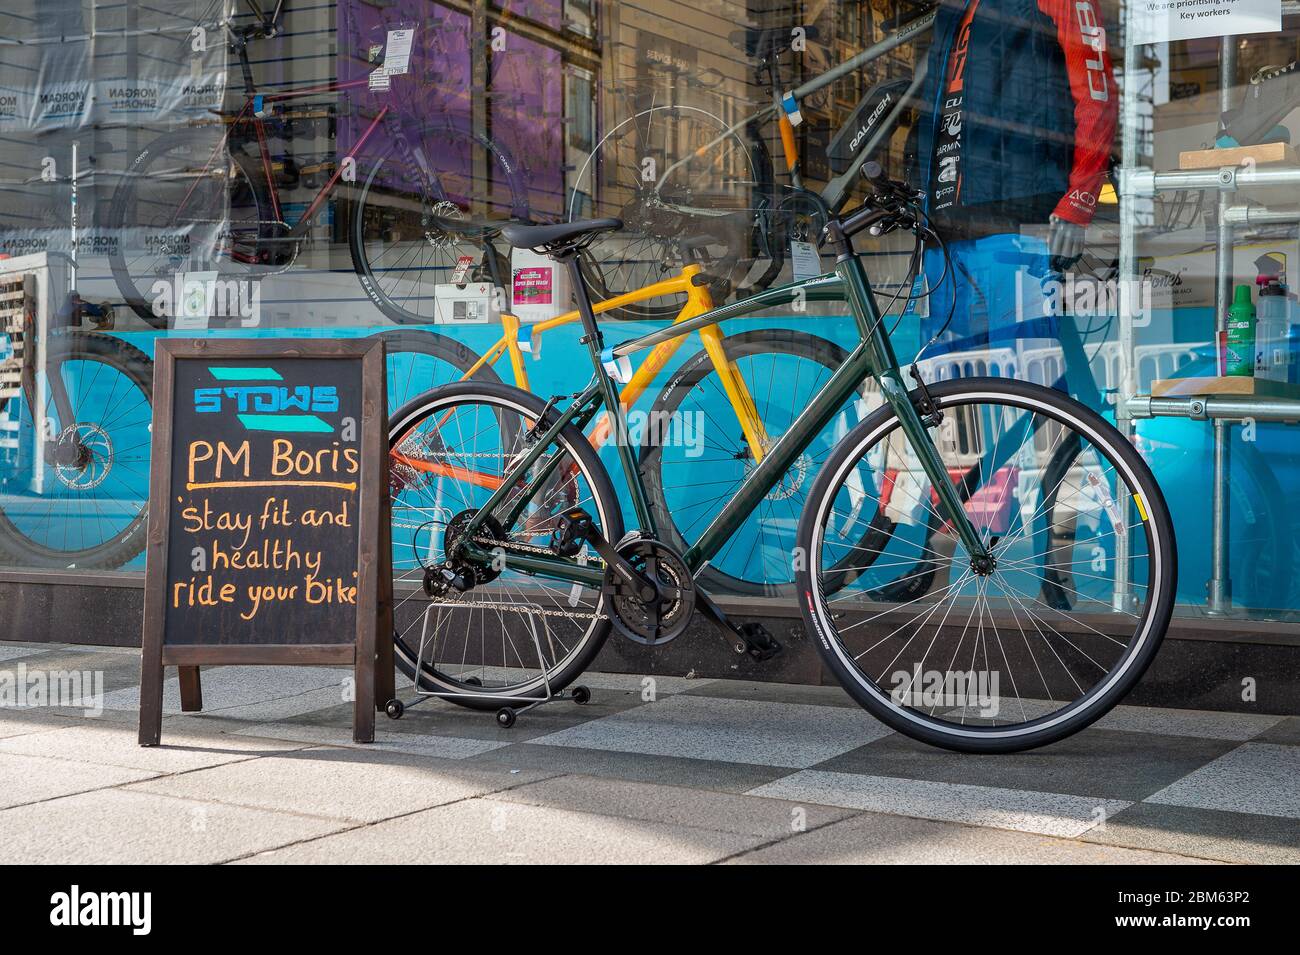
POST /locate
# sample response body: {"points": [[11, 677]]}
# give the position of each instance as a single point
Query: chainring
{"points": [[640, 622]]}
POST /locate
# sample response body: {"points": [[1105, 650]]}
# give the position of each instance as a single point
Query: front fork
{"points": [[896, 393]]}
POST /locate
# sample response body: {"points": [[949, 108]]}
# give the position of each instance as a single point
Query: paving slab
{"points": [[1052, 814], [282, 708], [638, 767], [1256, 778], [386, 741], [874, 839], [476, 831], [1208, 833], [1117, 765], [20, 721], [774, 692], [435, 717], [791, 735], [9, 652], [637, 682], [1203, 724], [1286, 732], [114, 744], [725, 812], [33, 779], [238, 686], [131, 827], [344, 784]]}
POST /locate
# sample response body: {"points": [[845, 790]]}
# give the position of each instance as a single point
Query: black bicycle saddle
{"points": [[559, 235]]}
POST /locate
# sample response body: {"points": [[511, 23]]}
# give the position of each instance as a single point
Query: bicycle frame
{"points": [[268, 24], [873, 356], [698, 302]]}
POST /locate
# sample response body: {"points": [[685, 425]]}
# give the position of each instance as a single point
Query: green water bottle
{"points": [[1240, 358]]}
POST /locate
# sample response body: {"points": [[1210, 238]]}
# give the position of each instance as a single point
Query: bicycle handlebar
{"points": [[892, 205]]}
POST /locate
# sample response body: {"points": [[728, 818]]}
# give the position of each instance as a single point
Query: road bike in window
{"points": [[207, 198]]}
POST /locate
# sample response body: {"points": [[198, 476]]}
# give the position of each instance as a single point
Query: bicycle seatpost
{"points": [[592, 338]]}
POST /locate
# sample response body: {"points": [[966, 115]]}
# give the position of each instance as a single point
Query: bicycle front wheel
{"points": [[990, 659]]}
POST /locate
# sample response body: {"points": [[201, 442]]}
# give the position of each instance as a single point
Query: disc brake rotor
{"points": [[83, 456]]}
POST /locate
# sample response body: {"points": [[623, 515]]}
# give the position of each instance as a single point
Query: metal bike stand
{"points": [[507, 714]]}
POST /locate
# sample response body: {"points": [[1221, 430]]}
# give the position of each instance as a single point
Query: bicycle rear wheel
{"points": [[695, 456], [1044, 642], [188, 203], [417, 361], [436, 198], [448, 451], [671, 173]]}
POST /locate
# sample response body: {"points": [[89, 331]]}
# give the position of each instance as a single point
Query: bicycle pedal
{"points": [[572, 529], [759, 642]]}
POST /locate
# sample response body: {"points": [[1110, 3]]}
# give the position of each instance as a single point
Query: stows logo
{"points": [[262, 405]]}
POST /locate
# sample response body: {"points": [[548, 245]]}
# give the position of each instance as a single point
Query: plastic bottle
{"points": [[1240, 359], [1272, 350]]}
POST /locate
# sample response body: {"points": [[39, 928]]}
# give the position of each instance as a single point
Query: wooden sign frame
{"points": [[370, 652]]}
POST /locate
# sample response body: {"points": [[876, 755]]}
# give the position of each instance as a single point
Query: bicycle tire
{"points": [[121, 545], [738, 257], [606, 511], [1055, 725], [137, 173], [504, 168], [458, 357], [691, 376]]}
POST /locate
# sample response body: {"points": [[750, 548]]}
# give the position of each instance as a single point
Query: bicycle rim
{"points": [[423, 219], [78, 497], [613, 181], [1045, 643], [448, 452]]}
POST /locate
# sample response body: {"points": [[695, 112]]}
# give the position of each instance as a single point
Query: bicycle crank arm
{"points": [[751, 638], [575, 526]]}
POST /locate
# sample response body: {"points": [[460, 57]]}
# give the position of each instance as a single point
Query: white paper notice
{"points": [[397, 58], [804, 260], [1155, 21], [397, 51]]}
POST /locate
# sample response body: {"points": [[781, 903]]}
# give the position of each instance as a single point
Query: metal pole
{"points": [[1219, 587], [1122, 595]]}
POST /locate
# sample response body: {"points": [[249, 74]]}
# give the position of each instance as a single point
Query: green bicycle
{"points": [[1048, 548]]}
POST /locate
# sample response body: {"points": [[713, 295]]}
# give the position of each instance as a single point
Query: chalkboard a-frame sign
{"points": [[267, 516]]}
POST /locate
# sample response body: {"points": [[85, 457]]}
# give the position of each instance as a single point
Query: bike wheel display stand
{"points": [[1223, 411], [506, 714]]}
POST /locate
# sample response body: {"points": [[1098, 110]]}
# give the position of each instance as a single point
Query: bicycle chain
{"points": [[540, 611]]}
